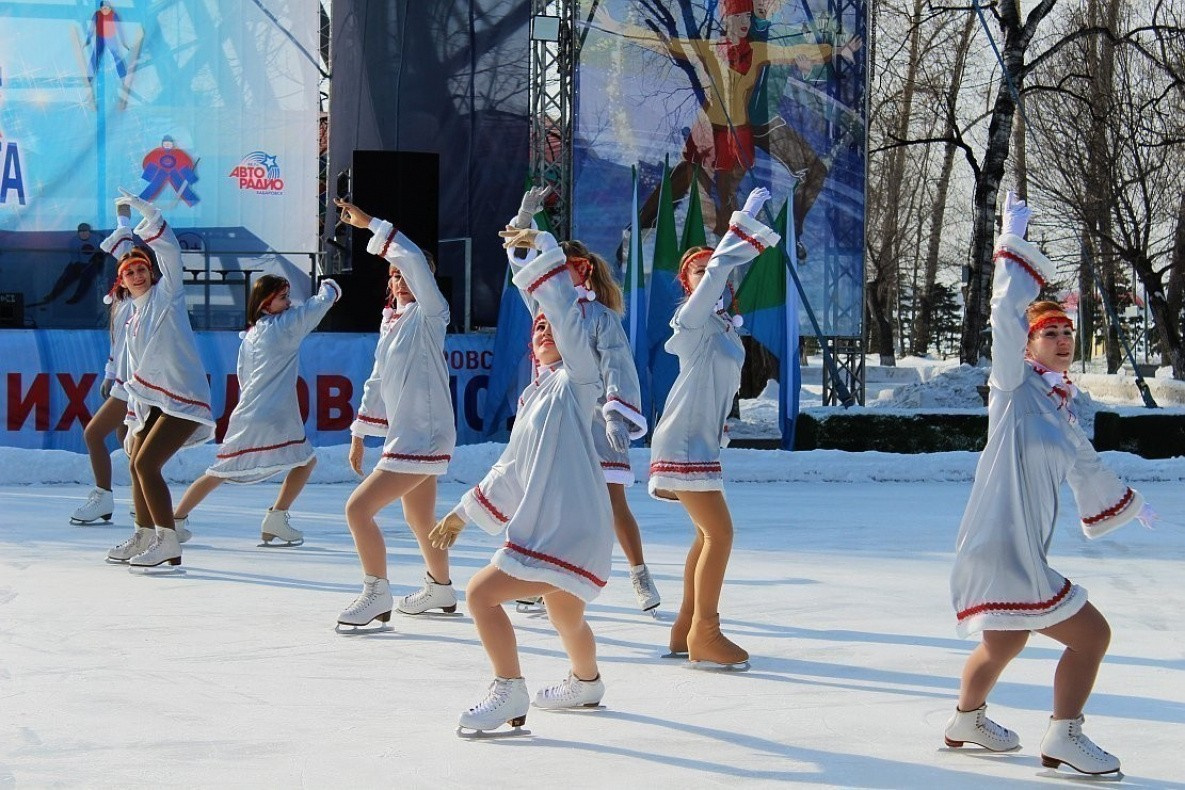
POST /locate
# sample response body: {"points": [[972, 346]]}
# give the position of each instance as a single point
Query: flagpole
{"points": [[635, 261]]}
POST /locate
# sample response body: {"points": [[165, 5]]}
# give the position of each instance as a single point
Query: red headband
{"points": [[731, 7], [134, 256], [695, 256], [583, 266], [1049, 319]]}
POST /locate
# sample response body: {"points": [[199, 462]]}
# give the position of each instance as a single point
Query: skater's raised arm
{"points": [[301, 319], [1020, 273], [154, 231]]}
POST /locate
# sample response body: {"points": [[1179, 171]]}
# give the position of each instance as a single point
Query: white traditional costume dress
{"points": [[1001, 579], [685, 448], [407, 399], [547, 490], [265, 434], [621, 391], [163, 365], [118, 244]]}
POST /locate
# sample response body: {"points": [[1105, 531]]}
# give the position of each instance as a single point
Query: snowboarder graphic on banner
{"points": [[169, 165], [107, 36]]}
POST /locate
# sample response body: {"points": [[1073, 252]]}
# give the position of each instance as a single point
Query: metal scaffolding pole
{"points": [[554, 56]]}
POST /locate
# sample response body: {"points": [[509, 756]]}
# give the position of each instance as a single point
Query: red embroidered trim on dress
{"points": [[164, 224], [1009, 255], [172, 395], [260, 449], [488, 505], [746, 237], [1111, 511], [615, 465], [1017, 607], [427, 459], [563, 267], [371, 420], [627, 404], [697, 467], [556, 561]]}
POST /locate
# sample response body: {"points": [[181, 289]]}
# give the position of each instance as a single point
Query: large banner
{"points": [[51, 380], [207, 109], [734, 94]]}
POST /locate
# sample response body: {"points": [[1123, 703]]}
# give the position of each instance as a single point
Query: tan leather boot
{"points": [[706, 643], [679, 629]]}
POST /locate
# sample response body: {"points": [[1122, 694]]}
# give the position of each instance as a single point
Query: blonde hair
{"points": [[600, 277]]}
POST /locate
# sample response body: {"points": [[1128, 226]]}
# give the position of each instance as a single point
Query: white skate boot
{"points": [[165, 547], [571, 692], [138, 543], [529, 605], [506, 703], [1064, 742], [276, 527], [973, 726], [373, 603], [644, 589], [433, 596], [100, 504], [181, 528]]}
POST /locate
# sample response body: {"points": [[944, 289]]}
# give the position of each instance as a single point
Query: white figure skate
{"points": [[432, 596], [644, 589], [1064, 742], [571, 692], [373, 603], [165, 547], [973, 726], [138, 543], [99, 505], [277, 527], [506, 702]]}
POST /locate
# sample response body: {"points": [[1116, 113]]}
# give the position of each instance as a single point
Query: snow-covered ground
{"points": [[230, 675]]}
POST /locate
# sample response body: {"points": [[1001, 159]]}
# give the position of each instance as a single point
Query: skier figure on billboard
{"points": [[169, 165], [105, 34], [86, 263]]}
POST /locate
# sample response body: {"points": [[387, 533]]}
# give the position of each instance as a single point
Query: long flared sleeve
{"points": [[399, 250], [1021, 271], [623, 391], [745, 240]]}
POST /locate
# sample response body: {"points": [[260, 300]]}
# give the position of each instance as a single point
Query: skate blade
{"points": [[432, 614], [674, 654], [111, 561], [713, 666], [346, 629], [482, 735], [77, 522], [977, 749], [1072, 775], [288, 544], [578, 709]]}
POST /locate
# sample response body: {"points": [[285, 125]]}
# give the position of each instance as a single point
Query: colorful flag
{"points": [[665, 295], [772, 319], [635, 301]]}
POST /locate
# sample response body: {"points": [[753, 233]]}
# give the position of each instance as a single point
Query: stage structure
{"points": [[734, 94]]}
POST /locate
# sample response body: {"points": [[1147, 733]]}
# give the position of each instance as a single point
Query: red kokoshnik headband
{"points": [[1049, 319]]}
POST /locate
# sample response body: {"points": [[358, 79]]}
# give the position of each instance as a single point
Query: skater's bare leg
{"points": [[104, 423], [161, 442], [198, 490], [625, 525], [566, 613], [293, 484], [487, 591], [419, 510], [985, 664], [1086, 636], [378, 490], [139, 505], [682, 624]]}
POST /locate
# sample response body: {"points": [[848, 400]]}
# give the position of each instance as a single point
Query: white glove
{"points": [[532, 203], [333, 286], [145, 208], [1147, 516], [617, 431], [1016, 215], [755, 201]]}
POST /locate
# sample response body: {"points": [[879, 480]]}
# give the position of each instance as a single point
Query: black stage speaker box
{"points": [[12, 310], [402, 187]]}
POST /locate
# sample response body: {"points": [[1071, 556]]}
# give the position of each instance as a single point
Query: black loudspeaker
{"points": [[12, 310], [402, 187]]}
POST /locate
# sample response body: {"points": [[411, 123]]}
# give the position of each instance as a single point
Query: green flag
{"points": [[693, 227], [764, 285]]}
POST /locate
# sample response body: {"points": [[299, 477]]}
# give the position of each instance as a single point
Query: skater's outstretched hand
{"points": [[518, 238], [1016, 215], [352, 215], [755, 201], [445, 533], [532, 202], [141, 205], [1147, 516], [357, 450], [617, 431]]}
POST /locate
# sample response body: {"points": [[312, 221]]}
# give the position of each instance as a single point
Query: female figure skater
{"points": [[407, 401], [169, 396], [548, 493], [1002, 584], [265, 435], [685, 449], [617, 419], [108, 419]]}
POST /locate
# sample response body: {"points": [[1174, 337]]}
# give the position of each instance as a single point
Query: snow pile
{"points": [[953, 388]]}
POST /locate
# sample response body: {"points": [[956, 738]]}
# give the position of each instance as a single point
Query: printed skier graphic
{"points": [[171, 166], [104, 35]]}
